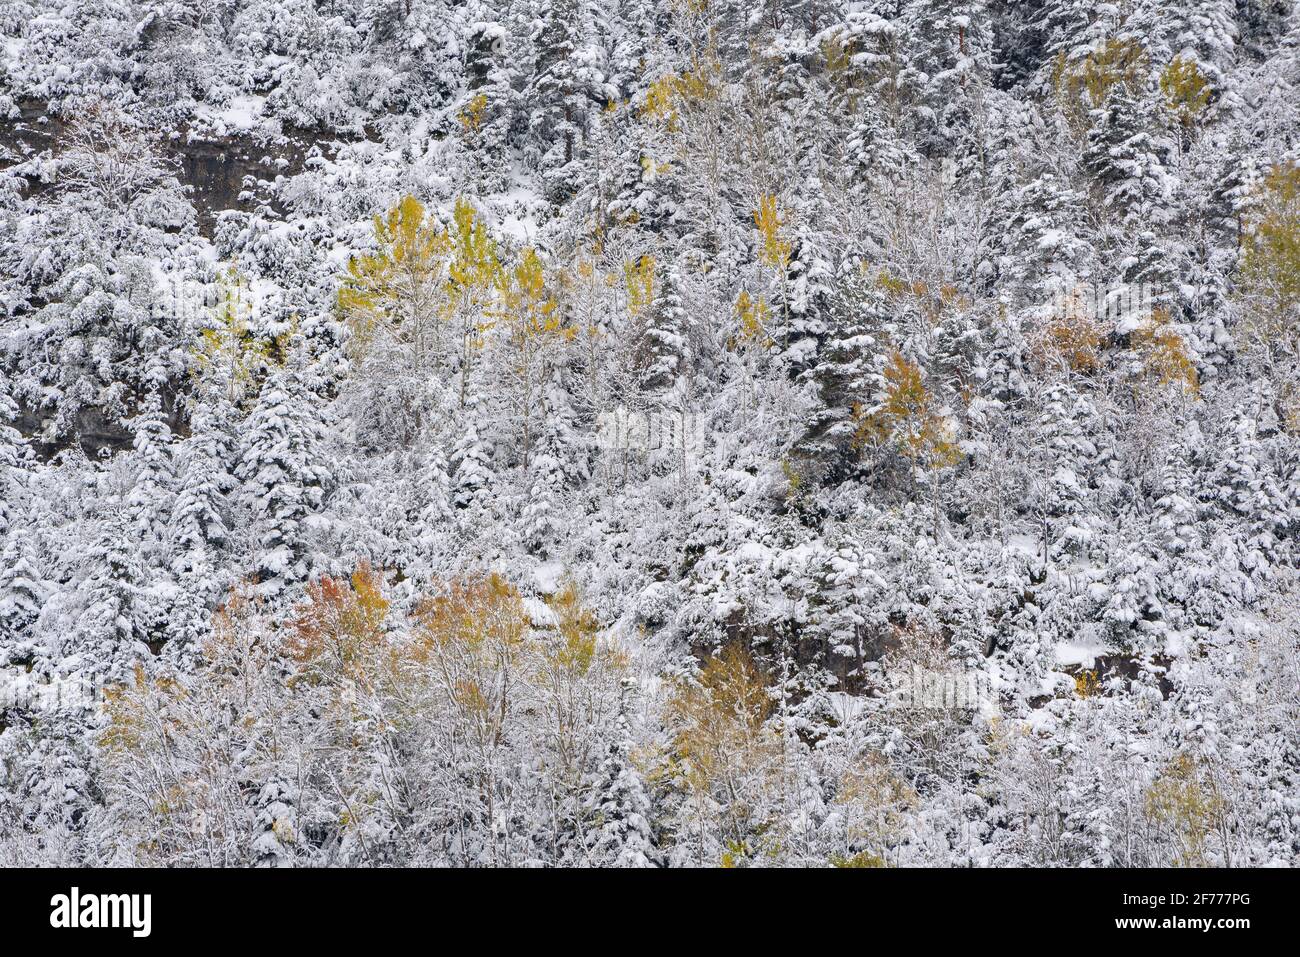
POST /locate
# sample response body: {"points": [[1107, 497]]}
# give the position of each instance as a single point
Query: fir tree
{"points": [[284, 479]]}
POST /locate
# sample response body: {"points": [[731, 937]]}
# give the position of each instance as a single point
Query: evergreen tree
{"points": [[621, 808], [283, 477], [471, 462], [1126, 160], [664, 345], [565, 87], [149, 503], [113, 628]]}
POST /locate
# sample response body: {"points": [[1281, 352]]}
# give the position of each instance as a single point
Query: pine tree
{"points": [[491, 112], [199, 519], [58, 783], [113, 628], [621, 808], [664, 345], [1046, 247], [948, 57], [879, 156], [566, 81], [844, 373], [559, 465], [149, 503], [275, 824], [1127, 161], [1059, 495], [283, 477], [13, 453], [23, 590], [471, 461], [803, 298]]}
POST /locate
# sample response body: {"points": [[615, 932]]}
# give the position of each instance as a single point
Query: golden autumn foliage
{"points": [[130, 715], [1083, 85], [145, 716], [1071, 338], [753, 315], [837, 60], [908, 417], [660, 101], [861, 859], [720, 719], [577, 630], [434, 291], [774, 251], [1165, 356], [1086, 684], [893, 286], [526, 307], [639, 281], [475, 613], [1270, 275], [144, 706], [1185, 802], [572, 669], [667, 96], [531, 328], [420, 274], [475, 263], [471, 115], [338, 628], [872, 802], [652, 169], [398, 288], [931, 300], [227, 352], [1186, 90], [473, 638], [177, 747]]}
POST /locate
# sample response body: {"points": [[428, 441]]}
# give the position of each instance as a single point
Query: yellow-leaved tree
{"points": [[397, 293], [229, 357], [576, 674], [1187, 808], [1270, 273], [1166, 359], [473, 277], [531, 336], [423, 296], [754, 317], [1070, 340], [1083, 84], [774, 251], [724, 752], [472, 655], [337, 633], [639, 282], [872, 803], [909, 419], [1186, 90]]}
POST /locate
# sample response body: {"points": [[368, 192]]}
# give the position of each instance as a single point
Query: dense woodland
{"points": [[576, 432]]}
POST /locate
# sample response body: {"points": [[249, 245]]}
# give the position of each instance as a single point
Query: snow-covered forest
{"points": [[650, 432]]}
